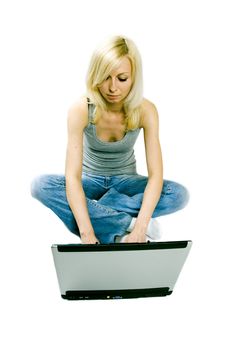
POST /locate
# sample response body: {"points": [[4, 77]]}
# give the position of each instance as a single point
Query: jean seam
{"points": [[108, 211]]}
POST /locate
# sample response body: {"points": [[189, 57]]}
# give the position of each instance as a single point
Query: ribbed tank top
{"points": [[108, 158]]}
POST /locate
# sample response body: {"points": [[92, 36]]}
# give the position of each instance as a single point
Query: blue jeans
{"points": [[112, 201]]}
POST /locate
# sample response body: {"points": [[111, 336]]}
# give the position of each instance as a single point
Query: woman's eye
{"points": [[122, 79]]}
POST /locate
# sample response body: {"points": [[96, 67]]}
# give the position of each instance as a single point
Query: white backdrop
{"points": [[186, 47]]}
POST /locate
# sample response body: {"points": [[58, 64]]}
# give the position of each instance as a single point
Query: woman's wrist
{"points": [[141, 226], [86, 231]]}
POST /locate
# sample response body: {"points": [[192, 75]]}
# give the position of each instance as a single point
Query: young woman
{"points": [[101, 198]]}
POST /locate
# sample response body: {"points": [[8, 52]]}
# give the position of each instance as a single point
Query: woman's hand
{"points": [[89, 238], [135, 236]]}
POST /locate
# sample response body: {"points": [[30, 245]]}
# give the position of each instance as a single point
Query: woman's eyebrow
{"points": [[123, 73]]}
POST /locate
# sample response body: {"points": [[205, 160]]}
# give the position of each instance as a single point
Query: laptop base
{"points": [[116, 294]]}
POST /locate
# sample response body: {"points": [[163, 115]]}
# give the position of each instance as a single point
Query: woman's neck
{"points": [[115, 108]]}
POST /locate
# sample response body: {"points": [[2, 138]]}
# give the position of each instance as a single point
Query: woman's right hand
{"points": [[89, 238]]}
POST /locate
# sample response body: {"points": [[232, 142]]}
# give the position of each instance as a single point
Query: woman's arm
{"points": [[150, 125], [77, 121]]}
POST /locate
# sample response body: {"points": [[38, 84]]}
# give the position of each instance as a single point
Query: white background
{"points": [[186, 47]]}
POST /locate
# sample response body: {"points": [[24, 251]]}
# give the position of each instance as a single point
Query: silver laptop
{"points": [[119, 270]]}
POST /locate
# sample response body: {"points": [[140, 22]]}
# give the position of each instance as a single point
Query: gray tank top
{"points": [[108, 158]]}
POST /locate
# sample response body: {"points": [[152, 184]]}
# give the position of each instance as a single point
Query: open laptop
{"points": [[119, 270]]}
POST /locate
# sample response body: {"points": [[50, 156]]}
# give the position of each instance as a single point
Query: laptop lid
{"points": [[119, 270]]}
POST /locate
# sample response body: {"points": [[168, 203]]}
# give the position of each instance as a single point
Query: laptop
{"points": [[119, 270]]}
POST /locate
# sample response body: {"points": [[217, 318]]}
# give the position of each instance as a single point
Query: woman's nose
{"points": [[112, 85]]}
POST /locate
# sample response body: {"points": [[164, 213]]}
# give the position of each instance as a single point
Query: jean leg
{"points": [[130, 184], [173, 198], [122, 202], [50, 191], [93, 186], [107, 223]]}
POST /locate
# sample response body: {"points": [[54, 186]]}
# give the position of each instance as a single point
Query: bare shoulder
{"points": [[78, 113], [149, 113]]}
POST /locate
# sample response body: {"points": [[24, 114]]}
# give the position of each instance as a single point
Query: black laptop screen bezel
{"points": [[121, 246]]}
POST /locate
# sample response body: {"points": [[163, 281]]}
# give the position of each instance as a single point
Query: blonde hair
{"points": [[106, 58]]}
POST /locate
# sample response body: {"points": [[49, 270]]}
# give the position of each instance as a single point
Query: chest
{"points": [[110, 129]]}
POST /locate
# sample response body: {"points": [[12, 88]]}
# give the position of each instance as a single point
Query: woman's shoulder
{"points": [[78, 111], [147, 105], [149, 112], [79, 105]]}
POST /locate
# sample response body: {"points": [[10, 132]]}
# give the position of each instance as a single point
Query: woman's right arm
{"points": [[77, 121]]}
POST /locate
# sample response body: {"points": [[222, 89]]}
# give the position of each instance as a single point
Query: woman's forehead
{"points": [[123, 67]]}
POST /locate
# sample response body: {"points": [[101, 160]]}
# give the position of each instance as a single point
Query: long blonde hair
{"points": [[106, 58]]}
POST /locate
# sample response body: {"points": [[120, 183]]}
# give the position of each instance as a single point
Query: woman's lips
{"points": [[113, 96]]}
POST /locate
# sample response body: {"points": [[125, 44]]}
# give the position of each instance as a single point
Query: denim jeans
{"points": [[112, 201]]}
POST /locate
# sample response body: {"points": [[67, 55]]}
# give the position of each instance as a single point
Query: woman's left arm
{"points": [[150, 125]]}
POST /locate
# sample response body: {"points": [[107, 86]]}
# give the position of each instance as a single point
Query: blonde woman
{"points": [[102, 198]]}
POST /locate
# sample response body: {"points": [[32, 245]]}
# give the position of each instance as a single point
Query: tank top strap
{"points": [[91, 108]]}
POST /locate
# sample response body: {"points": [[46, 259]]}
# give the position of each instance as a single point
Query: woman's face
{"points": [[118, 84]]}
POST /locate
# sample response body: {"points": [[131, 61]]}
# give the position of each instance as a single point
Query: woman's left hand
{"points": [[135, 237]]}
